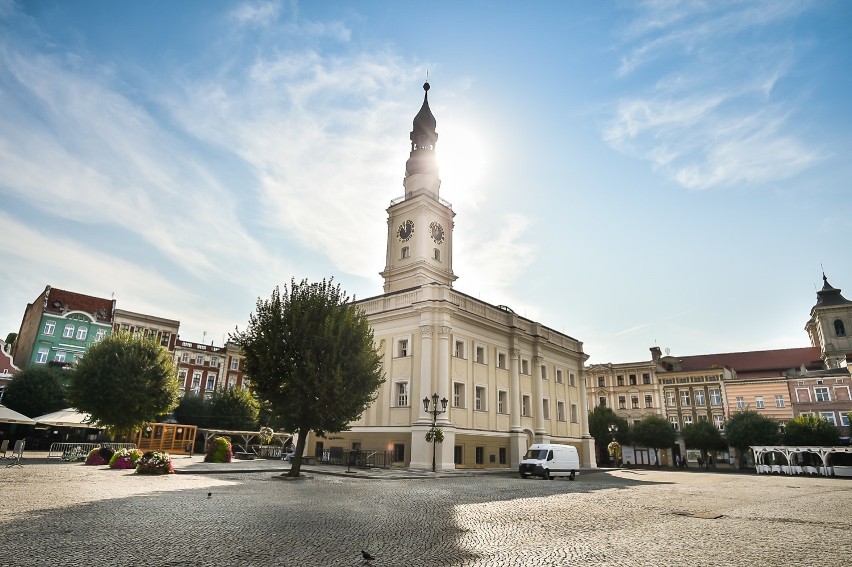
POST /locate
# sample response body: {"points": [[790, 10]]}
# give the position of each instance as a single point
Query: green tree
{"points": [[600, 420], [704, 436], [193, 409], [125, 381], [11, 338], [36, 390], [653, 432], [309, 352], [747, 428], [810, 429], [234, 409]]}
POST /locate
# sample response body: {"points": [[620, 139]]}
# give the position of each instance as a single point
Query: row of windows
{"points": [[634, 401], [163, 337], [759, 403], [403, 349], [480, 396], [405, 252], [619, 380], [44, 352], [195, 385], [214, 361], [68, 332], [830, 416], [718, 421], [686, 398]]}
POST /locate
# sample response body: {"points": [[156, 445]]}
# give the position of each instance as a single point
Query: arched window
{"points": [[404, 252], [839, 329]]}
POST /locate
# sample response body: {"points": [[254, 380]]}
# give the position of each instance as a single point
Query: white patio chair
{"points": [[4, 446], [17, 454]]}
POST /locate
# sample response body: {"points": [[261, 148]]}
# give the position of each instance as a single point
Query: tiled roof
{"points": [[72, 301], [756, 361]]}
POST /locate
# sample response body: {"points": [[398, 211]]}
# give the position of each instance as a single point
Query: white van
{"points": [[548, 461]]}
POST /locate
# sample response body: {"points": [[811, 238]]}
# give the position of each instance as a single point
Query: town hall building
{"points": [[507, 381]]}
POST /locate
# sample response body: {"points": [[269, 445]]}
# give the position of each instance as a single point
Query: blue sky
{"points": [[632, 174]]}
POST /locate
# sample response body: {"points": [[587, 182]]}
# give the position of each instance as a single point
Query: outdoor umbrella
{"points": [[68, 417], [11, 416]]}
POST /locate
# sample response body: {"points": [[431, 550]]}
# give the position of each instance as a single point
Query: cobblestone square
{"points": [[68, 514]]}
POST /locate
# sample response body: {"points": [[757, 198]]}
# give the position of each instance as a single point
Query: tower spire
{"points": [[423, 138]]}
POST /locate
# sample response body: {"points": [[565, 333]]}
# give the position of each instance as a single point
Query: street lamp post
{"points": [[435, 412]]}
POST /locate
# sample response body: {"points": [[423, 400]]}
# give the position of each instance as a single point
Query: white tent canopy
{"points": [[11, 416], [68, 417]]}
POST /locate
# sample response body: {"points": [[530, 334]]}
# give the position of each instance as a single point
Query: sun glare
{"points": [[462, 157]]}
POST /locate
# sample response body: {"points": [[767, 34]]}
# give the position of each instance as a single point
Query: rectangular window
{"points": [[501, 360], [646, 378], [719, 422], [399, 452], [165, 338], [60, 357], [503, 453], [437, 255], [622, 402], [480, 354], [822, 395], [458, 452], [740, 403], [574, 415], [670, 398], [211, 381], [544, 372], [49, 327], [402, 348], [632, 379], [687, 420], [715, 398], [184, 357], [758, 402], [479, 398], [558, 376], [235, 364], [560, 411], [545, 408], [199, 359], [685, 399], [82, 333], [675, 424], [779, 401], [525, 406], [829, 416], [459, 352], [214, 362], [41, 357], [601, 382], [649, 401], [571, 379], [702, 417], [602, 401], [480, 455], [699, 398], [844, 419], [402, 394], [502, 401], [100, 335], [182, 377], [196, 380], [634, 402], [458, 395], [525, 366], [619, 380], [68, 332]]}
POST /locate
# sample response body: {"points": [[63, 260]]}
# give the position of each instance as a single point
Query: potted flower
{"points": [[155, 462], [100, 456], [614, 449], [219, 450], [125, 459]]}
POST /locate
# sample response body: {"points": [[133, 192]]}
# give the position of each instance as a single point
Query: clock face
{"points": [[437, 232], [405, 231]]}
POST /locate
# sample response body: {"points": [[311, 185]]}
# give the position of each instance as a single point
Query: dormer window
{"points": [[839, 328]]}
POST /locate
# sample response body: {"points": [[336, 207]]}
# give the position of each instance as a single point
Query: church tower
{"points": [[420, 223], [830, 325]]}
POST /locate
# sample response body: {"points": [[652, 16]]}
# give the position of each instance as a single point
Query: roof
{"points": [[755, 361], [829, 296], [61, 301]]}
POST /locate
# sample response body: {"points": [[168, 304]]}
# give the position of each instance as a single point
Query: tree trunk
{"points": [[296, 463]]}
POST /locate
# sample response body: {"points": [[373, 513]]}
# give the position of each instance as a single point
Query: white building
{"points": [[508, 381]]}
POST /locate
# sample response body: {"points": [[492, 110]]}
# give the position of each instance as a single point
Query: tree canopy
{"points": [[810, 429], [235, 409], [124, 381], [309, 353], [746, 428], [702, 435], [37, 390], [600, 419], [654, 432]]}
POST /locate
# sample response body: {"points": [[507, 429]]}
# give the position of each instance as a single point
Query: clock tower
{"points": [[420, 223]]}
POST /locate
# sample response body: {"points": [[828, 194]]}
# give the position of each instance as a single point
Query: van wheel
{"points": [[571, 476], [545, 475], [523, 475]]}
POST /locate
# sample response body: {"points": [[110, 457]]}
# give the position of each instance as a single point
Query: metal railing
{"points": [[80, 450], [361, 459]]}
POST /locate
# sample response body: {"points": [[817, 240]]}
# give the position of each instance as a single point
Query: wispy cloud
{"points": [[709, 115], [256, 13]]}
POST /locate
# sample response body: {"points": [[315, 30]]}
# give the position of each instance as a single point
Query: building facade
{"points": [[825, 393], [200, 367], [830, 325], [508, 382], [630, 389], [7, 367], [164, 331], [59, 326]]}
